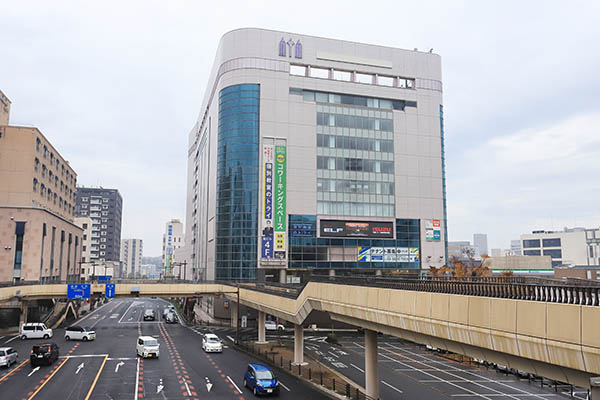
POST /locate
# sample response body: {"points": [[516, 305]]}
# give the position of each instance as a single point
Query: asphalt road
{"points": [[108, 367]]}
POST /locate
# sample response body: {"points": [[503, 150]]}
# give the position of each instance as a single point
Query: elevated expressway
{"points": [[549, 328]]}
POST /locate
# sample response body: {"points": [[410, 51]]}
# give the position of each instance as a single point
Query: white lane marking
{"points": [[161, 387], [119, 364], [360, 369], [85, 356], [120, 358], [359, 345], [137, 380], [33, 371], [208, 384], [188, 388], [11, 339], [285, 387], [2, 337], [79, 367], [230, 338], [333, 354], [114, 316], [390, 386], [125, 313], [236, 386]]}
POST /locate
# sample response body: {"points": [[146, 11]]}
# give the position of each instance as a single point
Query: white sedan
{"points": [[272, 326]]}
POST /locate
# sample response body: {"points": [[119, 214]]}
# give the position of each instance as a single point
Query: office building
{"points": [[316, 154], [132, 251], [571, 246], [37, 194], [515, 247], [173, 239], [104, 207], [480, 244]]}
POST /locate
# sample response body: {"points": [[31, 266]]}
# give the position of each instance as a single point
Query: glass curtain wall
{"points": [[237, 182]]}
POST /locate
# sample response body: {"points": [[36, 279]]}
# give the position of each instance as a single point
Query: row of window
{"points": [[533, 243], [554, 253], [51, 196], [355, 121], [53, 160], [355, 209], [352, 76], [354, 186], [352, 100], [53, 178], [355, 143], [355, 164]]}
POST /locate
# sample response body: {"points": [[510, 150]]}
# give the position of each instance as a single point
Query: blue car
{"points": [[261, 380]]}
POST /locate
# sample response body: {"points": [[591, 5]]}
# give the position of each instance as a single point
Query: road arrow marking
{"points": [[119, 365], [79, 368], [208, 385], [159, 387], [33, 370]]}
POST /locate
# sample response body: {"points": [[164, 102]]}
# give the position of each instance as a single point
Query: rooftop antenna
{"points": [[431, 50]]}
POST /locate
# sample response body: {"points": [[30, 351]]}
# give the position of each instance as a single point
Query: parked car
{"points": [[79, 333], [8, 356], [272, 326], [43, 354], [147, 347], [212, 343], [149, 315], [35, 330], [261, 380], [171, 318]]}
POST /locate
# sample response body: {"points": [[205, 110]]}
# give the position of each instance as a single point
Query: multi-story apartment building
{"points": [[132, 251], [173, 239], [104, 207], [85, 223], [572, 246], [316, 154], [37, 197]]}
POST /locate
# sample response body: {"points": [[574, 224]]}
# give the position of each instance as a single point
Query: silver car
{"points": [[8, 356]]}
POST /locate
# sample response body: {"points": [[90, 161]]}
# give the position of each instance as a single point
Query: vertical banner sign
{"points": [[280, 214], [267, 224], [433, 230]]}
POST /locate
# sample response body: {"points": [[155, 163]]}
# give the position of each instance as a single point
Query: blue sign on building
{"points": [[78, 291], [110, 290], [103, 278]]}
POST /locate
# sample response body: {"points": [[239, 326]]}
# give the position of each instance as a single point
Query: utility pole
{"points": [[237, 324]]}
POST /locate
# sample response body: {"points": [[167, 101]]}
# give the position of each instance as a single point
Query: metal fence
{"points": [[320, 376]]}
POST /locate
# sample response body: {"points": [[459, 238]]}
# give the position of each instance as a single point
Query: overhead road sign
{"points": [[78, 290]]}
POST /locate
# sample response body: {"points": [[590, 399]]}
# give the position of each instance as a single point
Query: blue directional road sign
{"points": [[103, 278], [78, 291], [110, 290]]}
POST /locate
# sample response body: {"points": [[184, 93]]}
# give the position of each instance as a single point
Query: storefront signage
{"points": [[388, 254], [267, 222], [373, 229], [433, 230]]}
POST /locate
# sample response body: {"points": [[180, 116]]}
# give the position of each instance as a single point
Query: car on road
{"points": [[261, 380], [45, 353], [147, 347], [168, 309], [272, 326], [35, 330], [8, 356], [149, 315], [212, 343], [79, 333], [171, 318]]}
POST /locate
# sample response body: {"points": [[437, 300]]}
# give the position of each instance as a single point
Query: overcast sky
{"points": [[117, 85]]}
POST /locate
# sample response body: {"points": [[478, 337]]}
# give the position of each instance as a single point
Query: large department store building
{"points": [[316, 154]]}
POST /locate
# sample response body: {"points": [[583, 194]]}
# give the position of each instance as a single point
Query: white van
{"points": [[35, 330], [147, 347]]}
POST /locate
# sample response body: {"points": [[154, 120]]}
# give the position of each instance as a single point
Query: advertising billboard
{"points": [[433, 230], [280, 213], [370, 229], [387, 254], [267, 222]]}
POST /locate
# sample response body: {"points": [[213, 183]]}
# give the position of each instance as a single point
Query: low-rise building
{"points": [[91, 271], [591, 272], [572, 246]]}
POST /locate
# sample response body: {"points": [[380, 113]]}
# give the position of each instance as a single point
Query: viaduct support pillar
{"points": [[371, 375], [261, 327], [24, 312], [233, 306], [332, 272], [282, 276], [298, 345]]}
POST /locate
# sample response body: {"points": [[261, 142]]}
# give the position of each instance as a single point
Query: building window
{"points": [[364, 78], [385, 81], [353, 100], [84, 199], [532, 252], [38, 142], [554, 253], [44, 170], [342, 75], [319, 73], [299, 70], [105, 200], [19, 237], [35, 185], [555, 242], [36, 164], [531, 243]]}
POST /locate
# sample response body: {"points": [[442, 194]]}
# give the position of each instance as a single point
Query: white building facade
{"points": [[132, 251], [173, 239], [572, 246], [316, 154]]}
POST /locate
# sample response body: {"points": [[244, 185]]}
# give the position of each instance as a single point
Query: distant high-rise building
{"points": [[104, 207], [37, 196], [480, 244], [132, 251], [515, 247], [172, 240]]}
